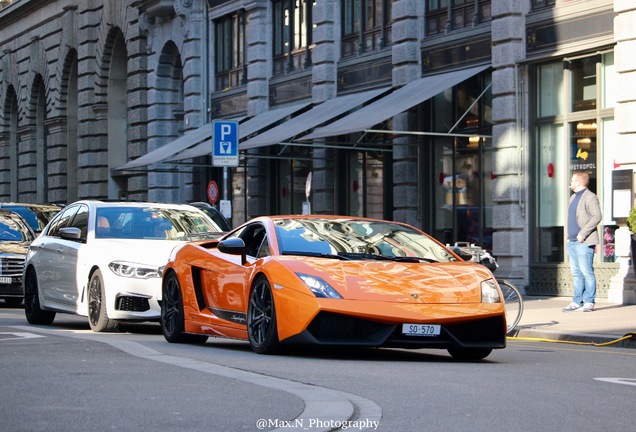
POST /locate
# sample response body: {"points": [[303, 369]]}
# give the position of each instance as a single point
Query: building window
{"points": [[230, 50], [542, 4], [574, 115], [366, 25], [583, 83], [443, 16], [608, 71], [550, 90], [292, 34]]}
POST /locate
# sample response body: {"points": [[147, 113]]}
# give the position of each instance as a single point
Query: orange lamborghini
{"points": [[331, 280]]}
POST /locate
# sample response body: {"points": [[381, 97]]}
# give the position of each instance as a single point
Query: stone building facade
{"points": [[115, 100]]}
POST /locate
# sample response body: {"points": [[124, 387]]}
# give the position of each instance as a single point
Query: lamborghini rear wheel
{"points": [[172, 323], [261, 318]]}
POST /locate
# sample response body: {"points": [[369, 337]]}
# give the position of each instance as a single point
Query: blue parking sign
{"points": [[225, 143]]}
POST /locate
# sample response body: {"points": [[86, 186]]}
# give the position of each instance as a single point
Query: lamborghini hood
{"points": [[451, 282]]}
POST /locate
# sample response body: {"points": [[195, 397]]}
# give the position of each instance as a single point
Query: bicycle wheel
{"points": [[513, 303]]}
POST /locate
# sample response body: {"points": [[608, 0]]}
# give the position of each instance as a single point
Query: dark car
{"points": [[36, 215], [214, 214], [15, 237]]}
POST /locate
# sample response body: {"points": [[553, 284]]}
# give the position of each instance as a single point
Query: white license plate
{"points": [[421, 329], [5, 280]]}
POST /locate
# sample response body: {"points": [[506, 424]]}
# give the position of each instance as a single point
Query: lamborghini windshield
{"points": [[357, 239]]}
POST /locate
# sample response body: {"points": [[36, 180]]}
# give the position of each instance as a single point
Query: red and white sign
{"points": [[213, 192]]}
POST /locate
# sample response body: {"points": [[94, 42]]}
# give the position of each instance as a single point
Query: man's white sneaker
{"points": [[571, 307], [588, 307]]}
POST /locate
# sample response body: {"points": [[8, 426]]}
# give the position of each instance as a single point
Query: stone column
{"points": [[509, 160], [5, 165], [92, 160], [325, 54], [625, 63], [137, 185], [622, 289], [92, 127], [56, 157], [27, 165], [406, 68], [258, 73]]}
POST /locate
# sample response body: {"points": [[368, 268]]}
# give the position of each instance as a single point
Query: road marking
{"points": [[625, 381], [17, 335], [319, 402]]}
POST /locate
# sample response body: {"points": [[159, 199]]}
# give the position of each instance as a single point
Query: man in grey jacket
{"points": [[584, 216]]}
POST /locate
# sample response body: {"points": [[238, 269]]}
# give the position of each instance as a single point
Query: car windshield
{"points": [[14, 230], [357, 239], [35, 216], [153, 223]]}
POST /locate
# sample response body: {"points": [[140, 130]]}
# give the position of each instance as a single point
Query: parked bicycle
{"points": [[513, 300]]}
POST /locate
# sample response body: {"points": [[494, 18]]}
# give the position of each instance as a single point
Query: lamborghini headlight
{"points": [[134, 270], [318, 286], [489, 292]]}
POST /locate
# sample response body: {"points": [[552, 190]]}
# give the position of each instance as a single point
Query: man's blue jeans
{"points": [[581, 264]]}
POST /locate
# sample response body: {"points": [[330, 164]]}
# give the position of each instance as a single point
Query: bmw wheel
{"points": [[97, 314], [261, 318], [34, 314], [172, 321]]}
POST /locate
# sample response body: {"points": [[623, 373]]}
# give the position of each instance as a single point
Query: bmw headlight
{"points": [[318, 286], [134, 270], [489, 292]]}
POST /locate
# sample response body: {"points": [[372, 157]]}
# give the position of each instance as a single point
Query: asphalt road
{"points": [[64, 377]]}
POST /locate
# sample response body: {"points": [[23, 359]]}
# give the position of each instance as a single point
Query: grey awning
{"points": [[310, 119], [247, 128], [186, 141], [394, 103]]}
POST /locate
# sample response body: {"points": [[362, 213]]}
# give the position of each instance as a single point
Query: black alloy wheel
{"points": [[97, 314], [262, 331], [172, 314], [34, 314]]}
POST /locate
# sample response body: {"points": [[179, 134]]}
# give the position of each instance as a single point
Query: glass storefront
{"points": [[365, 184], [457, 179], [455, 176], [574, 112], [291, 181]]}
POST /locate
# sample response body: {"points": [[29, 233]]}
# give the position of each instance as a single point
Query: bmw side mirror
{"points": [[70, 233]]}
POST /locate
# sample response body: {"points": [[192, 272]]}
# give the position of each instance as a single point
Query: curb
{"points": [[616, 341]]}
